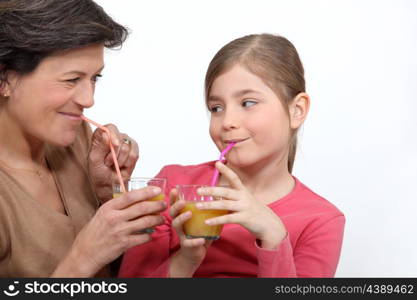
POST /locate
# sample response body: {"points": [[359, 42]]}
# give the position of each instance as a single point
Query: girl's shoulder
{"points": [[305, 198], [188, 174]]}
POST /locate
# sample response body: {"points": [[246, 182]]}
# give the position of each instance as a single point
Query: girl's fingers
{"points": [[219, 192], [225, 219], [231, 176], [179, 221], [190, 243], [176, 208], [173, 196], [220, 205]]}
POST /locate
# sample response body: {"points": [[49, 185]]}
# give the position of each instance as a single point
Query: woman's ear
{"points": [[298, 109]]}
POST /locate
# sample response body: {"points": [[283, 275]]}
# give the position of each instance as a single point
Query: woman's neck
{"points": [[17, 147]]}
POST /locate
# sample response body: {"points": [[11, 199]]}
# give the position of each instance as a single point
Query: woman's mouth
{"points": [[72, 116]]}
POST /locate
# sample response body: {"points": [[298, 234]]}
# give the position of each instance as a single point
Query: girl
{"points": [[277, 227]]}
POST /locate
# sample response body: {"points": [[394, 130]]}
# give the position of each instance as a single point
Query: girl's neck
{"points": [[17, 147]]}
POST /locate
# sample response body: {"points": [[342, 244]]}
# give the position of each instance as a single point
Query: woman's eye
{"points": [[215, 108], [96, 78], [73, 80], [248, 103]]}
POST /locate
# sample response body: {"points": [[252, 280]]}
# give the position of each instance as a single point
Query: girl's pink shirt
{"points": [[311, 248]]}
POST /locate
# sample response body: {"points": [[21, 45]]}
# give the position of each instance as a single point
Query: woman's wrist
{"points": [[73, 265]]}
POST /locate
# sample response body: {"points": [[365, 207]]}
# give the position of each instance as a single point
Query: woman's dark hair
{"points": [[30, 30]]}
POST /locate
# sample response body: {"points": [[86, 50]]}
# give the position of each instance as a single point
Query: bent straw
{"points": [[221, 158], [113, 153]]}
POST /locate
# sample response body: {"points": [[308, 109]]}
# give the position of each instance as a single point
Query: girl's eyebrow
{"points": [[244, 92], [237, 94]]}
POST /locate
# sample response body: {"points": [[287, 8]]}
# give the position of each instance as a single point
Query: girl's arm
{"points": [[316, 253]]}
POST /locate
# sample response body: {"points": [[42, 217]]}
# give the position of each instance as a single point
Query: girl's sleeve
{"points": [[151, 259], [316, 253]]}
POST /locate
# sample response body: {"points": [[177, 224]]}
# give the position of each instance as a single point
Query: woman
{"points": [[55, 175]]}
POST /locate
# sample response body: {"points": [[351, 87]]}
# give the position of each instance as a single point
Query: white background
{"points": [[358, 147]]}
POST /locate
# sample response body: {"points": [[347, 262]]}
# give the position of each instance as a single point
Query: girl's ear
{"points": [[298, 109]]}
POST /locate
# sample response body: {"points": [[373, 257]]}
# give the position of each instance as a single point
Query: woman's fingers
{"points": [[134, 226], [143, 208], [134, 196]]}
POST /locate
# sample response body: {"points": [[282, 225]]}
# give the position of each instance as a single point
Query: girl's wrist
{"points": [[273, 236], [181, 266]]}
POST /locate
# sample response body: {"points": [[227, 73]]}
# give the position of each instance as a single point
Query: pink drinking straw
{"points": [[113, 153], [221, 158]]}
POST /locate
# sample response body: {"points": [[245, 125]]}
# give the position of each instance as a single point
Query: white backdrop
{"points": [[358, 146]]}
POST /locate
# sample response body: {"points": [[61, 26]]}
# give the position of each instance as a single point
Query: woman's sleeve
{"points": [[151, 259], [316, 253], [4, 237]]}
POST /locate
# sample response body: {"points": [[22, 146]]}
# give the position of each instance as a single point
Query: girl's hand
{"points": [[113, 229], [244, 209], [192, 252], [100, 161]]}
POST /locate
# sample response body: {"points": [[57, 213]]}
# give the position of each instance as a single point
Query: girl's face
{"points": [[47, 103], [245, 110]]}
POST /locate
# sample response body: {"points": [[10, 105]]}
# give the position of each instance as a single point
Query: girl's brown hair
{"points": [[271, 57]]}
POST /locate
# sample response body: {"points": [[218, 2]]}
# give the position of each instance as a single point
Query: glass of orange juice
{"points": [[195, 227], [135, 183]]}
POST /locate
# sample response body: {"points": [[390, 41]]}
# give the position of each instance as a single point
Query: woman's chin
{"points": [[63, 141]]}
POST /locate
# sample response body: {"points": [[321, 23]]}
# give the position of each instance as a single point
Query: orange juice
{"points": [[156, 198], [195, 227]]}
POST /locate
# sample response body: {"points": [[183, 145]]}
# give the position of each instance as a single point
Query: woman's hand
{"points": [[100, 161], [192, 252], [244, 209], [112, 230]]}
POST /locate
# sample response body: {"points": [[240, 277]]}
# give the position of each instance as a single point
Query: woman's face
{"points": [[47, 103]]}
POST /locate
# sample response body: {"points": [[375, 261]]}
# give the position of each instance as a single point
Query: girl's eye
{"points": [[248, 103], [215, 108]]}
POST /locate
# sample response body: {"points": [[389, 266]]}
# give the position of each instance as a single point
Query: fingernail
{"points": [[208, 222]]}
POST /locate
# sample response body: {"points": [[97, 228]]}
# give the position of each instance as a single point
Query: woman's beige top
{"points": [[34, 237]]}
